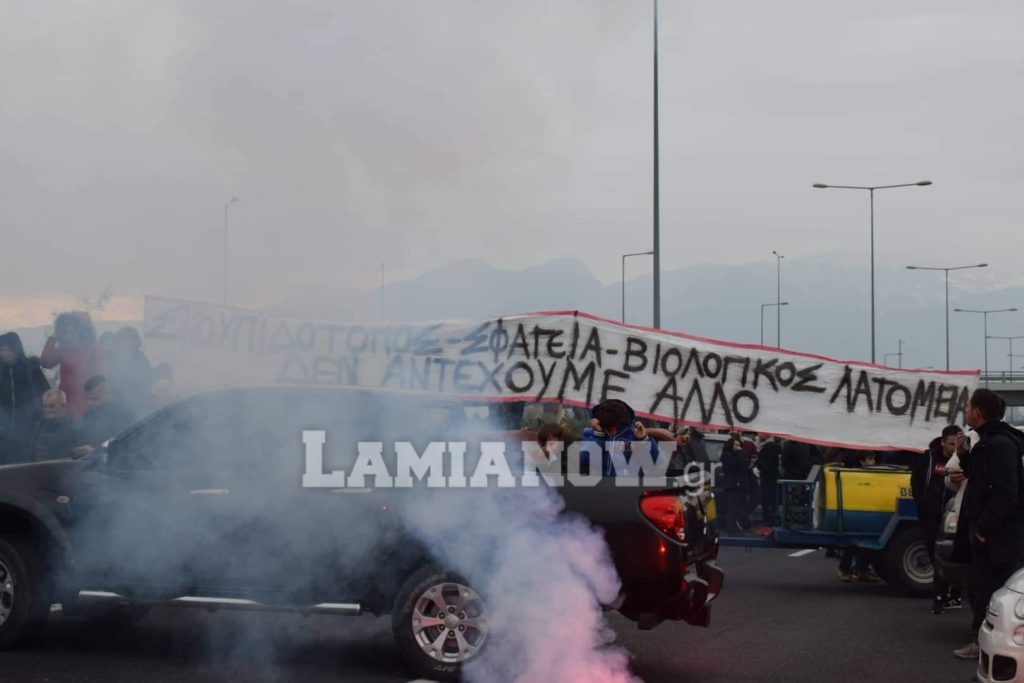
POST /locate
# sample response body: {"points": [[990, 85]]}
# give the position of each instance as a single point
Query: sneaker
{"points": [[844, 576], [970, 651], [953, 603], [867, 576], [937, 605]]}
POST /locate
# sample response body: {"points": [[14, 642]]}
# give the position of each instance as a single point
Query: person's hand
{"points": [[981, 539], [682, 440], [640, 431], [956, 476], [82, 451], [961, 443]]}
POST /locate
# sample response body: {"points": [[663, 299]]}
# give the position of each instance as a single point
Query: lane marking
{"points": [[801, 553]]}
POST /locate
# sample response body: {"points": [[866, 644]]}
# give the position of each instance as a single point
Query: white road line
{"points": [[801, 553]]}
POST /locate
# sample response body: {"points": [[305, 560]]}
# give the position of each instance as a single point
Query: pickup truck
{"points": [[201, 504]]}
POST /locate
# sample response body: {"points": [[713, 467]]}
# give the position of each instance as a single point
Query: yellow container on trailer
{"points": [[869, 497]]}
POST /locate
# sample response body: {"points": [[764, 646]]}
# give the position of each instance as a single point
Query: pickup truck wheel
{"points": [[906, 562], [24, 606], [439, 623]]}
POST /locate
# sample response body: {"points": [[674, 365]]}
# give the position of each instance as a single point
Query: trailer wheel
{"points": [[906, 563]]}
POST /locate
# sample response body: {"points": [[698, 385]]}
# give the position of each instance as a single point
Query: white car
{"points": [[1001, 637]]}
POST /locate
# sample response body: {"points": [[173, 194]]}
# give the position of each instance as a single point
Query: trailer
{"points": [[870, 508]]}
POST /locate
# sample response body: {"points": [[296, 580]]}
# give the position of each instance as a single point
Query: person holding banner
{"points": [[615, 430]]}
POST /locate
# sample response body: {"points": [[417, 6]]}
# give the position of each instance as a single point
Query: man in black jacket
{"points": [[928, 484], [768, 468], [990, 530]]}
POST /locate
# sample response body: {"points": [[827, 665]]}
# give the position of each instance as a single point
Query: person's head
{"points": [[613, 415], [74, 329], [550, 434], [867, 459], [54, 404], [128, 341], [11, 349], [951, 435], [96, 391], [983, 407]]}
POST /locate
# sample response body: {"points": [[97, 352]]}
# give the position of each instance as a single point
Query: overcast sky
{"points": [[415, 133]]}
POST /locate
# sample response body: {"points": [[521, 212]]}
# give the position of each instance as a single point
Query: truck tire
{"points": [[24, 596], [906, 563], [439, 623]]}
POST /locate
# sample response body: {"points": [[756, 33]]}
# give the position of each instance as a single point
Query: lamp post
{"points": [[1010, 340], [764, 306], [871, 191], [946, 271], [899, 355], [778, 298], [624, 257], [656, 252], [985, 314], [233, 200]]}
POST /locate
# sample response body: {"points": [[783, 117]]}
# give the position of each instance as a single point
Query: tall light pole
{"points": [[985, 314], [233, 200], [764, 306], [871, 191], [946, 270], [657, 199], [624, 257], [1012, 354], [778, 298]]}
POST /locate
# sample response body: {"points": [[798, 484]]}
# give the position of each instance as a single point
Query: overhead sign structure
{"points": [[569, 357]]}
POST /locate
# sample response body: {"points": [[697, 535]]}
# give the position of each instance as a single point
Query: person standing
{"points": [[735, 485], [129, 371], [990, 528], [768, 460], [22, 385], [928, 485], [73, 348], [55, 436], [106, 416]]}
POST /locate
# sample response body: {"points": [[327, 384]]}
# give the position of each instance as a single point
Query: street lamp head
{"points": [[820, 186], [911, 267], [981, 265], [924, 182], [958, 310], [784, 303]]}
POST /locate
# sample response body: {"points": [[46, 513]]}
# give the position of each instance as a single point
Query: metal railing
{"points": [[1006, 376]]}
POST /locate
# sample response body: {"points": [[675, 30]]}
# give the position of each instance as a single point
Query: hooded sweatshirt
{"points": [[77, 365], [22, 386], [617, 449]]}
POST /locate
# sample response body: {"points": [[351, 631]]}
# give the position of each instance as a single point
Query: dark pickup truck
{"points": [[201, 504]]}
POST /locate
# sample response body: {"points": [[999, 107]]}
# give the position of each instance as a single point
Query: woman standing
{"points": [[73, 348]]}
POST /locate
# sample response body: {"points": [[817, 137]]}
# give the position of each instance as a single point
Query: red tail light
{"points": [[666, 513]]}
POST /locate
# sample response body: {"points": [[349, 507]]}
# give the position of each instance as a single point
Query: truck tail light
{"points": [[665, 512]]}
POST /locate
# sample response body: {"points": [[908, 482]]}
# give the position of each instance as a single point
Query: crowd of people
{"points": [[99, 386]]}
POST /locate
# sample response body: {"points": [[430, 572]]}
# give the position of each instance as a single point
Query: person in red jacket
{"points": [[73, 348]]}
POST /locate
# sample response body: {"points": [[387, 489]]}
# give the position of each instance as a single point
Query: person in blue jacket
{"points": [[616, 430]]}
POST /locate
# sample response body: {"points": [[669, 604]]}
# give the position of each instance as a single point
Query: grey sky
{"points": [[416, 133]]}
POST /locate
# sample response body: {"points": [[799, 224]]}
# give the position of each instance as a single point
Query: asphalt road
{"points": [[780, 618]]}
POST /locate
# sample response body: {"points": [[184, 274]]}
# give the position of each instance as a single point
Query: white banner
{"points": [[572, 358]]}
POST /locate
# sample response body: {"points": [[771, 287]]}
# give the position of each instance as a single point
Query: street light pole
{"points": [[764, 306], [657, 199], [624, 256], [985, 314], [871, 191], [233, 200], [778, 298], [946, 271]]}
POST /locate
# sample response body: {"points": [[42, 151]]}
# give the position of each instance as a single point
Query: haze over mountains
{"points": [[828, 295]]}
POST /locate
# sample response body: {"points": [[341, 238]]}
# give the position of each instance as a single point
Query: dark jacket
{"points": [[768, 459], [22, 386], [99, 424], [993, 502], [796, 460], [617, 449], [54, 439], [734, 467], [131, 377], [928, 482]]}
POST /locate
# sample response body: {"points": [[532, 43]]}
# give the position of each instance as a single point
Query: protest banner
{"points": [[568, 357]]}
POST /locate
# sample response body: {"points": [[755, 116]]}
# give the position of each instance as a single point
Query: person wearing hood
{"points": [[73, 348], [130, 373], [928, 485], [614, 429], [990, 528], [22, 386]]}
